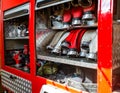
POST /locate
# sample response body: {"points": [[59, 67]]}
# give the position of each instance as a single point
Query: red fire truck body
{"points": [[19, 81]]}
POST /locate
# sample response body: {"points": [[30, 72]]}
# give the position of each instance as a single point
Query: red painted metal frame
{"points": [[32, 38], [37, 81], [7, 4], [104, 72], [0, 32], [7, 68]]}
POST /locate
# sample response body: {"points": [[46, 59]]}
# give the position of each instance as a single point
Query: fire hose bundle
{"points": [[68, 41], [78, 42], [55, 40], [74, 43], [89, 45], [78, 12]]}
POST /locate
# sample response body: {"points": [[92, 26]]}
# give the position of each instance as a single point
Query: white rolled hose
{"points": [[55, 40], [87, 37], [93, 46], [57, 48]]}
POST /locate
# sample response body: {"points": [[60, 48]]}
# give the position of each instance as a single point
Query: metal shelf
{"points": [[15, 38], [81, 62], [87, 26], [78, 26], [16, 17], [16, 12], [39, 4]]}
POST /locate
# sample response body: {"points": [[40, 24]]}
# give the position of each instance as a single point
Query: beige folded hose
{"points": [[55, 39], [57, 48], [93, 46], [87, 37]]}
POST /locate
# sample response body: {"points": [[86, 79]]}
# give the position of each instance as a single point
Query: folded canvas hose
{"points": [[79, 39], [66, 43], [71, 38], [55, 40], [74, 3], [66, 19], [44, 39], [85, 3], [77, 13], [86, 39], [73, 42], [76, 39], [88, 15], [93, 46], [89, 8], [57, 48], [68, 39]]}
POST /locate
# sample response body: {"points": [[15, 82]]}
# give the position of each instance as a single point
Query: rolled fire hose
{"points": [[74, 3], [73, 42], [89, 16], [77, 13], [57, 48], [74, 47], [66, 19], [85, 3], [93, 49], [67, 41], [67, 16], [55, 40], [79, 39], [87, 37], [44, 39], [90, 7]]}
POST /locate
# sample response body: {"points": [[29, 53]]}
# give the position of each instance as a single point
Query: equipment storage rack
{"points": [[31, 65]]}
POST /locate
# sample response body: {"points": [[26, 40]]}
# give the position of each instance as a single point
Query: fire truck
{"points": [[60, 46]]}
